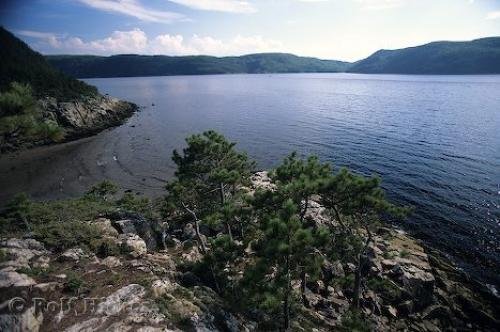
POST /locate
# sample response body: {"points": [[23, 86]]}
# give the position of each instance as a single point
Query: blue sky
{"points": [[330, 29]]}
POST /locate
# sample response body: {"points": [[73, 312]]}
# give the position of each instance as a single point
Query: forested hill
{"points": [[84, 66], [21, 64], [480, 56]]}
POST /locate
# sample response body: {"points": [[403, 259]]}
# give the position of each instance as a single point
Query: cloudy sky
{"points": [[330, 29]]}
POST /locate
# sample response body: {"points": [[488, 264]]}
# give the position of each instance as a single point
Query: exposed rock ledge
{"points": [[87, 116], [79, 118], [145, 288]]}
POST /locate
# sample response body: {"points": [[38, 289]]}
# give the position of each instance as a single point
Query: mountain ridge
{"points": [[478, 56], [122, 65]]}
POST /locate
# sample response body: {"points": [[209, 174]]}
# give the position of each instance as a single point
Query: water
{"points": [[435, 141]]}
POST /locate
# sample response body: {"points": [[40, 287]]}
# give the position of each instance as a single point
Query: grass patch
{"points": [[36, 272]]}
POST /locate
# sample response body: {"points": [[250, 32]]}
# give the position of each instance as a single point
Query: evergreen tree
{"points": [[209, 175], [286, 248], [20, 117], [299, 179], [358, 204]]}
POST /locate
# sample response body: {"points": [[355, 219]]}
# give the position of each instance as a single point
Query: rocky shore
{"points": [[78, 118], [146, 286]]}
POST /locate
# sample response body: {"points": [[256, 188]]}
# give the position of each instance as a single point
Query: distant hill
{"points": [[84, 66], [480, 56], [20, 63]]}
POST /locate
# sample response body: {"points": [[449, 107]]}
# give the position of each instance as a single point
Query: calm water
{"points": [[435, 140]]}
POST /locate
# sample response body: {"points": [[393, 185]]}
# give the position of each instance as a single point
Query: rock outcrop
{"points": [[87, 116], [408, 287], [79, 118]]}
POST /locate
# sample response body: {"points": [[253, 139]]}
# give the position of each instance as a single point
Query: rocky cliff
{"points": [[145, 286], [78, 118]]}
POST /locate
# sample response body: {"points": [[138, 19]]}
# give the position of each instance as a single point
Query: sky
{"points": [[346, 30]]}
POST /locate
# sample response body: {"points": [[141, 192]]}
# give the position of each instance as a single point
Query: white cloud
{"points": [[136, 41], [493, 15], [50, 38], [232, 6], [380, 4], [135, 9]]}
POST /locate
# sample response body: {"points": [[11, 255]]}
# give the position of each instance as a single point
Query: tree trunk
{"points": [[198, 236], [222, 194], [303, 281], [286, 300], [203, 248], [357, 283], [26, 223], [229, 232], [362, 262], [304, 211]]}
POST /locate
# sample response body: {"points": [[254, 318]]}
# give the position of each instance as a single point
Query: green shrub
{"points": [[60, 236], [102, 191], [354, 321], [18, 99], [105, 247], [346, 282], [74, 283], [132, 203], [21, 119], [3, 256], [404, 253], [384, 288], [36, 272]]}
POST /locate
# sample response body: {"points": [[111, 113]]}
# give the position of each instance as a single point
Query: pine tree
{"points": [[207, 180], [286, 248], [358, 204], [299, 179]]}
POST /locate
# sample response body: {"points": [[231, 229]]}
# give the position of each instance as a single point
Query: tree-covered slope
{"points": [[21, 64], [85, 66], [481, 56]]}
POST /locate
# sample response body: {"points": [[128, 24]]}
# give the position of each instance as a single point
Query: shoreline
{"points": [[78, 119]]}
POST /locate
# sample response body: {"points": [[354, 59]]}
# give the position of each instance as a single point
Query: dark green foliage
{"points": [[64, 235], [299, 179], [358, 204], [209, 174], [74, 283], [354, 321], [134, 203], [20, 63], [126, 65], [36, 272], [225, 252], [103, 190], [285, 251], [18, 99], [384, 288], [21, 118], [104, 247], [65, 224], [480, 56], [3, 256]]}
